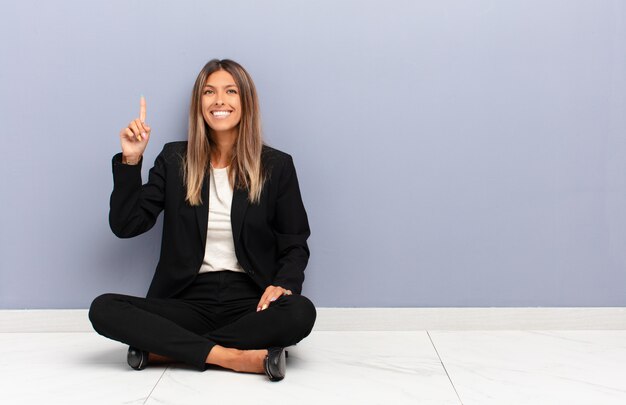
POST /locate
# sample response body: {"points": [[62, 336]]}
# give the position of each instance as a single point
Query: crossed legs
{"points": [[230, 333]]}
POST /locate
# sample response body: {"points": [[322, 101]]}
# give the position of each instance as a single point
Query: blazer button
{"points": [[251, 271]]}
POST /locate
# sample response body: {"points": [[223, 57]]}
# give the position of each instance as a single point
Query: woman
{"points": [[226, 290]]}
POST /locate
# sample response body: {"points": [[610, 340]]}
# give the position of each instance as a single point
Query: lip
{"points": [[218, 117]]}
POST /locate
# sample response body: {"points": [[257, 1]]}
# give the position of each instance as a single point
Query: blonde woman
{"points": [[227, 287]]}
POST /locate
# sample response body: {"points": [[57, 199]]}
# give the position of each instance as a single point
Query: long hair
{"points": [[245, 168]]}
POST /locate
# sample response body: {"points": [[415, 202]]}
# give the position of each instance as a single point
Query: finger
{"points": [[262, 305], [146, 130], [143, 127], [279, 292], [140, 128], [133, 127], [267, 299], [127, 134], [142, 109], [261, 302], [147, 136]]}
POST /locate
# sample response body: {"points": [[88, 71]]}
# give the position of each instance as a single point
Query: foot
{"points": [[249, 361], [245, 361], [137, 358], [275, 363]]}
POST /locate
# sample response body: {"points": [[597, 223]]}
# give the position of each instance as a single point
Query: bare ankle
{"points": [[238, 360], [223, 356]]}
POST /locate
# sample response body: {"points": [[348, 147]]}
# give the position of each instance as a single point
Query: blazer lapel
{"points": [[202, 210], [238, 211]]}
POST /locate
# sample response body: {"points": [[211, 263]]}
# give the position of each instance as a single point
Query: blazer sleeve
{"points": [[134, 207], [291, 229]]}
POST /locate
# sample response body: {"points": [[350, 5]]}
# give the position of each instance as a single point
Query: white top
{"points": [[219, 253]]}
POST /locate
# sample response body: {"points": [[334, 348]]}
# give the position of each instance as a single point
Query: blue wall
{"points": [[450, 153]]}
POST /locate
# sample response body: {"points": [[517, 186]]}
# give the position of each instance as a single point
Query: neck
{"points": [[222, 151]]}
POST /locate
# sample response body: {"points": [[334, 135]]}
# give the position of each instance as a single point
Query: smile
{"points": [[220, 113]]}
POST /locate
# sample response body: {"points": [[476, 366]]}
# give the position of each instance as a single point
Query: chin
{"points": [[222, 128]]}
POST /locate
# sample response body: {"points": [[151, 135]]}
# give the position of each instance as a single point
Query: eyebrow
{"points": [[228, 85]]}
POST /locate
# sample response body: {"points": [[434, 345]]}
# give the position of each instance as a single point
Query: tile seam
{"points": [[444, 367]]}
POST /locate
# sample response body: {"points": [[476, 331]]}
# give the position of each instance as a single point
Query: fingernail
{"points": [[273, 299], [143, 134], [264, 306], [258, 309]]}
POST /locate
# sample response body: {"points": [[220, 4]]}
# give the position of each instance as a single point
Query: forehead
{"points": [[220, 78]]}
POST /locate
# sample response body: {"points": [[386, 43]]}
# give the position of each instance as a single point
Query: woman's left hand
{"points": [[272, 293]]}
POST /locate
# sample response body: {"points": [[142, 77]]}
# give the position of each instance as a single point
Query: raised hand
{"points": [[135, 136]]}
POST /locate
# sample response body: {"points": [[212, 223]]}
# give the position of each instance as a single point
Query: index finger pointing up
{"points": [[142, 109]]}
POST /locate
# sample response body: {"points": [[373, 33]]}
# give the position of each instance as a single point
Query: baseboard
{"points": [[372, 319]]}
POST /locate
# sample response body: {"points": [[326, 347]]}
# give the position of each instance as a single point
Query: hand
{"points": [[135, 136], [271, 294]]}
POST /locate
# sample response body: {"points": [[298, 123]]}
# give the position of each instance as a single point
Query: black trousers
{"points": [[218, 308]]}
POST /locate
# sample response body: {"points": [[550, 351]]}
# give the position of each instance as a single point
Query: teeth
{"points": [[221, 113]]}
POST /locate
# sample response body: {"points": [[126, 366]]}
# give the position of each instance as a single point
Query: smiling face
{"points": [[221, 103]]}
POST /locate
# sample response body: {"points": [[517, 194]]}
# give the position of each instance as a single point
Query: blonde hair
{"points": [[245, 167]]}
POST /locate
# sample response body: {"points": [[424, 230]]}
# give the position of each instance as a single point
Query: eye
{"points": [[232, 91], [208, 91]]}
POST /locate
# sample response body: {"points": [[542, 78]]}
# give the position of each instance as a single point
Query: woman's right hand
{"points": [[135, 137]]}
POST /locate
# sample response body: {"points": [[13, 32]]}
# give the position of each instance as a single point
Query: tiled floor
{"points": [[424, 367]]}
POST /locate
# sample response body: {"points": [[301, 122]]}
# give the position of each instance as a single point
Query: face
{"points": [[221, 103]]}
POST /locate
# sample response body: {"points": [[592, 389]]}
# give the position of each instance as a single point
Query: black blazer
{"points": [[269, 237]]}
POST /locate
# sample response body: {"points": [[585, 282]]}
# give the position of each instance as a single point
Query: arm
{"points": [[291, 229], [134, 207]]}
